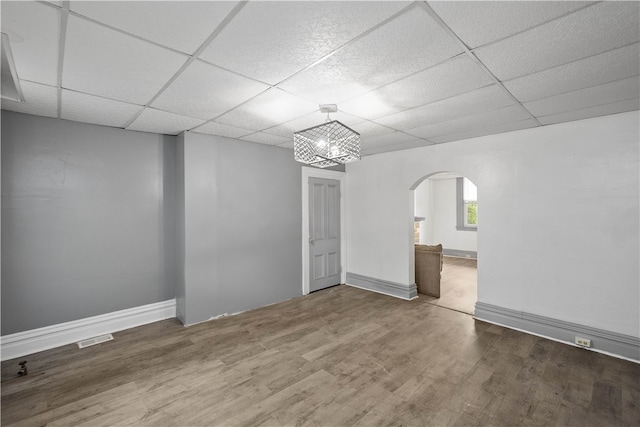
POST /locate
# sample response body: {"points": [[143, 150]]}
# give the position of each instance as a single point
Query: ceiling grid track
{"points": [[191, 59], [571, 62], [110, 27], [353, 40], [313, 64], [416, 72], [64, 18], [517, 33], [475, 59]]}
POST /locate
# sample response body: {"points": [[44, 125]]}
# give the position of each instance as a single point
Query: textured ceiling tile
{"points": [[372, 104], [469, 123], [213, 128], [604, 94], [270, 41], [310, 120], [609, 66], [456, 76], [156, 121], [383, 81], [33, 31], [586, 113], [39, 100], [180, 25], [491, 130], [266, 138], [371, 129], [396, 147], [205, 91], [593, 30], [480, 22], [409, 43], [386, 140], [104, 62], [268, 109], [484, 99], [85, 108]]}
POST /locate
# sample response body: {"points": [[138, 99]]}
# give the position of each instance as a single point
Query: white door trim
{"points": [[311, 172]]}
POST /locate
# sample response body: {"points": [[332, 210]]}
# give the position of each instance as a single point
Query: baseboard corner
{"points": [[28, 342], [398, 290]]}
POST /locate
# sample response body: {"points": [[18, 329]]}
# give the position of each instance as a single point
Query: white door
{"points": [[324, 233]]}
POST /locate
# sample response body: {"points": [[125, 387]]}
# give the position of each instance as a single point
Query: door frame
{"points": [[311, 172]]}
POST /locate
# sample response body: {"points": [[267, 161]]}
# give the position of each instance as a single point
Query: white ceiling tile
{"points": [[409, 43], [266, 138], [609, 66], [81, 107], [213, 128], [395, 147], [182, 25], [490, 130], [456, 76], [585, 113], [205, 91], [603, 94], [270, 41], [156, 121], [268, 109], [372, 104], [371, 129], [484, 99], [469, 123], [481, 22], [105, 62], [57, 3], [33, 31], [404, 84], [39, 100], [310, 120], [587, 32], [386, 140]]}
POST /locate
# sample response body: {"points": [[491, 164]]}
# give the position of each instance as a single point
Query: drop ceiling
{"points": [[403, 74]]}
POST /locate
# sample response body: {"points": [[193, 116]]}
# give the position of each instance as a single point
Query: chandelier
{"points": [[328, 144]]}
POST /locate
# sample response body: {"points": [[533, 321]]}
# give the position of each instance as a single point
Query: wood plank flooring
{"points": [[458, 285], [338, 357]]}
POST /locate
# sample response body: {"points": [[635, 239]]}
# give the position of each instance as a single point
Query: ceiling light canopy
{"points": [[328, 144]]}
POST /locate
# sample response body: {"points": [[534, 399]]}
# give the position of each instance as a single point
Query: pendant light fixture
{"points": [[328, 144]]}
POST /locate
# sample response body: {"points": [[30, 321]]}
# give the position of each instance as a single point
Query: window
{"points": [[470, 197], [467, 205]]}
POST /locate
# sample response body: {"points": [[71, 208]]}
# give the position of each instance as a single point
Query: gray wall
{"points": [[88, 220], [242, 226]]}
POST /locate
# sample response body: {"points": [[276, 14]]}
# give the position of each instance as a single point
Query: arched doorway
{"points": [[446, 214]]}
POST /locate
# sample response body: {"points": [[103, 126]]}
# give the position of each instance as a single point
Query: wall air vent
{"points": [[95, 340], [10, 82]]}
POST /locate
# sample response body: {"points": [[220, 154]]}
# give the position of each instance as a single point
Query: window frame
{"points": [[461, 205]]}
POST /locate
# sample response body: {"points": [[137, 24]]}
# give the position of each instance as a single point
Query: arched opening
{"points": [[445, 238]]}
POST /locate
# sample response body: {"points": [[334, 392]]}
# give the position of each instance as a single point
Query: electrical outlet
{"points": [[583, 342]]}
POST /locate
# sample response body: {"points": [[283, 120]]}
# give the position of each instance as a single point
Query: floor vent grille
{"points": [[95, 340]]}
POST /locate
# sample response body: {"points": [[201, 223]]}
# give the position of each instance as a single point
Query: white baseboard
{"points": [[29, 342]]}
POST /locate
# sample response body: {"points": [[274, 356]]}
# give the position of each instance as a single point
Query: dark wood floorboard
{"points": [[338, 357]]}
